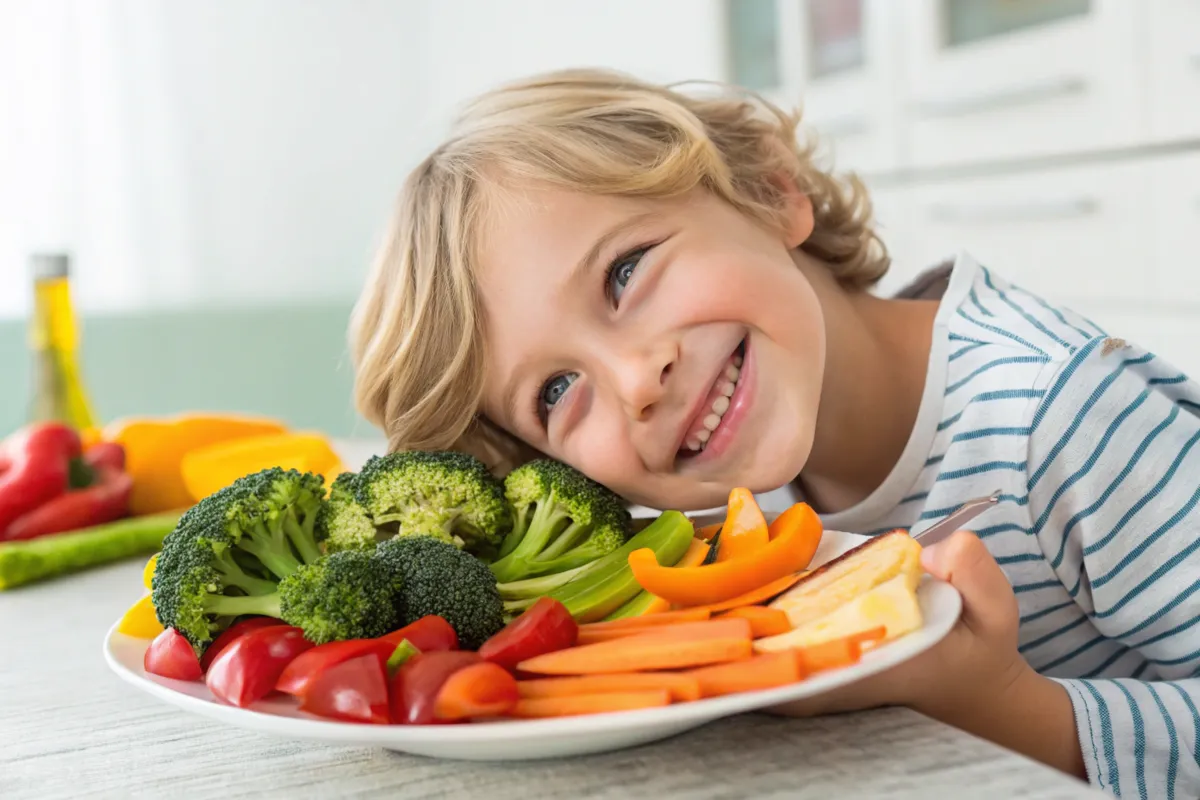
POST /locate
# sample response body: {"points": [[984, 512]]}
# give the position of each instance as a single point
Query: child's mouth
{"points": [[717, 404]]}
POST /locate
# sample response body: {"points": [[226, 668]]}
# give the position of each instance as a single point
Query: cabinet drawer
{"points": [[1062, 85], [1174, 67], [1175, 226], [1063, 234]]}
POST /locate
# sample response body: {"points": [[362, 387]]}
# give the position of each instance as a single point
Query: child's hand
{"points": [[974, 679], [978, 659]]}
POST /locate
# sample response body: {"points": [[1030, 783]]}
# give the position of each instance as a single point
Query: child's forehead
{"points": [[538, 222]]}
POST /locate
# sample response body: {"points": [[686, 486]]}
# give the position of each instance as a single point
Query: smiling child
{"points": [[663, 290]]}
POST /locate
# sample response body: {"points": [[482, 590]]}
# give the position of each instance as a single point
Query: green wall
{"points": [[290, 363]]}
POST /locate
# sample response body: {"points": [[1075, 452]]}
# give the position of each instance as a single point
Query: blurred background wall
{"points": [[220, 170]]}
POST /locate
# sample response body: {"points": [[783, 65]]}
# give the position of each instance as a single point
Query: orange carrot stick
{"points": [[763, 621], [649, 620], [836, 652], [479, 690], [672, 630], [761, 672], [696, 553], [575, 705], [681, 686], [757, 596], [689, 644]]}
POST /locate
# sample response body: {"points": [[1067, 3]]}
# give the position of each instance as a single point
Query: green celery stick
{"points": [[61, 553]]}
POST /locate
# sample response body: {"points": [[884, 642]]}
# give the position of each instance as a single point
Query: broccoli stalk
{"points": [[343, 596], [563, 521], [533, 588]]}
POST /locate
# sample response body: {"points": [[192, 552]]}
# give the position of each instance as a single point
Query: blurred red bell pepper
{"points": [[35, 467], [49, 487]]}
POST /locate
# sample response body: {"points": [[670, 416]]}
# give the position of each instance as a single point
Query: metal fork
{"points": [[959, 517]]}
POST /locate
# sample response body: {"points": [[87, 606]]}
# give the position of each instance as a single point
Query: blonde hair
{"points": [[417, 332]]}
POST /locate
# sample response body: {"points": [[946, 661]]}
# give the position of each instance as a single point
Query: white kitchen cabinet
{"points": [[1174, 69], [987, 80], [832, 59], [1174, 232], [1066, 234], [837, 58], [893, 219]]}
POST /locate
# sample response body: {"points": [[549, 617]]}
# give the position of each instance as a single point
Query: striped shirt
{"points": [[1091, 441]]}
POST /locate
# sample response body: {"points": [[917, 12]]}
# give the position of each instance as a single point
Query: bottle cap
{"points": [[49, 266]]}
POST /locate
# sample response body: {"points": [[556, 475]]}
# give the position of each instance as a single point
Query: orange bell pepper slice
{"points": [[745, 529], [790, 551]]}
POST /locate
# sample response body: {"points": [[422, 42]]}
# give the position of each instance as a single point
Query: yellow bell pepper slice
{"points": [[140, 621], [155, 447], [148, 572], [208, 469]]}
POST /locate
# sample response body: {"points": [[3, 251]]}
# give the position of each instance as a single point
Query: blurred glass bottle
{"points": [[58, 390]]}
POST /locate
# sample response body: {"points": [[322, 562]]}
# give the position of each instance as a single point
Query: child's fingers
{"points": [[989, 605]]}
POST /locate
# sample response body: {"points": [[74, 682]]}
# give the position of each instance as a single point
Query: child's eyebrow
{"points": [[601, 244]]}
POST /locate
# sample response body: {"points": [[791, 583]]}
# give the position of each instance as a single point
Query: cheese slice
{"points": [[892, 604], [851, 575]]}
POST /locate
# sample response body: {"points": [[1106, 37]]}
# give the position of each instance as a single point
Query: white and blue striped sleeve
{"points": [[1113, 483]]}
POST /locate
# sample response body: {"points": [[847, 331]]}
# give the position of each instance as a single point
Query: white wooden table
{"points": [[70, 728]]}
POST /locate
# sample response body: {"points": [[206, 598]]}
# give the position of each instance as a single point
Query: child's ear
{"points": [[797, 211]]}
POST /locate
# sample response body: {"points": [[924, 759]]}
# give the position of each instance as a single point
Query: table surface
{"points": [[71, 728]]}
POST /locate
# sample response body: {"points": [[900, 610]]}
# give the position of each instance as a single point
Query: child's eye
{"points": [[553, 390], [620, 272]]}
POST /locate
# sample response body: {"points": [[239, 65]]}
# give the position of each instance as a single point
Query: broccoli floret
{"points": [[236, 543], [438, 578], [344, 522], [562, 520], [449, 495], [346, 595], [342, 596]]}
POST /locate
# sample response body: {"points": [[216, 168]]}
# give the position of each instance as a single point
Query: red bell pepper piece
{"points": [[105, 454], [106, 500], [230, 634], [354, 691], [544, 627], [246, 671], [299, 676], [170, 655], [415, 686], [428, 634], [35, 467]]}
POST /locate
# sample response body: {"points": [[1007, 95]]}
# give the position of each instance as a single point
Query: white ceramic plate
{"points": [[534, 739]]}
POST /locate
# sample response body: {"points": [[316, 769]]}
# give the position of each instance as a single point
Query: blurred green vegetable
{"points": [[52, 556]]}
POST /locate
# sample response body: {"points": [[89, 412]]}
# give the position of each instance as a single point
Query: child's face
{"points": [[614, 328]]}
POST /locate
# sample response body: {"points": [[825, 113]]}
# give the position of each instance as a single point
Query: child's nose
{"points": [[642, 380]]}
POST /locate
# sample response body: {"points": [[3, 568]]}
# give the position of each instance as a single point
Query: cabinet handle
{"points": [[1001, 97], [1033, 211]]}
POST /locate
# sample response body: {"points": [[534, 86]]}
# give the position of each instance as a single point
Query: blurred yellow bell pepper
{"points": [[154, 451], [148, 572], [208, 469], [140, 620]]}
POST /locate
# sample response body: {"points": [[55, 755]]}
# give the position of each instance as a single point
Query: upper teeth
{"points": [[726, 383]]}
